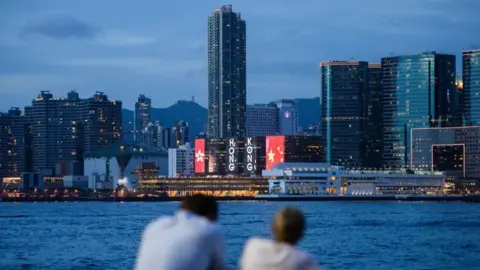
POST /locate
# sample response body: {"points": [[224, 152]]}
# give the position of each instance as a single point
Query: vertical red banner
{"points": [[199, 155], [275, 147]]}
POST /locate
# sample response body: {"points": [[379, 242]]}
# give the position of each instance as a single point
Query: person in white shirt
{"points": [[279, 253], [189, 240]]}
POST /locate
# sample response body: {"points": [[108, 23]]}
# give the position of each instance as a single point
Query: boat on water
{"points": [[402, 197]]}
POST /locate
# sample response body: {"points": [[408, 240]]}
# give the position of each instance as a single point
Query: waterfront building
{"points": [[15, 144], [227, 80], [103, 122], [373, 151], [219, 186], [288, 117], [345, 86], [180, 133], [326, 179], [471, 86], [181, 161], [454, 150], [418, 91], [143, 114], [262, 120], [57, 125], [250, 155], [119, 161]]}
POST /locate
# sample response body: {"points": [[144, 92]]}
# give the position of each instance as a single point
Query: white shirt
{"points": [[266, 254], [184, 241]]}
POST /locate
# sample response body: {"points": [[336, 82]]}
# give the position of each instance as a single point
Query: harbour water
{"points": [[341, 235]]}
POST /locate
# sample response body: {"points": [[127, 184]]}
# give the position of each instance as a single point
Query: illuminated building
{"points": [[181, 161], [344, 89], [454, 150], [287, 117], [145, 172], [15, 144], [210, 185], [103, 122], [143, 114], [471, 86], [262, 120], [418, 92], [58, 128], [325, 179], [180, 133], [227, 80], [250, 155], [373, 151], [280, 149], [118, 161]]}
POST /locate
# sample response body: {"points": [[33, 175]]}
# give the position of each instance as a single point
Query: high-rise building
{"points": [[227, 65], [143, 109], [181, 161], [57, 128], [15, 144], [418, 91], [103, 121], [471, 87], [180, 133], [344, 111], [287, 116], [373, 127], [262, 120]]}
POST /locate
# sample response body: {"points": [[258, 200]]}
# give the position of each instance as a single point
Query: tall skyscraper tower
{"points": [[180, 133], [471, 87], [227, 66], [287, 116], [143, 109], [344, 111], [418, 91]]}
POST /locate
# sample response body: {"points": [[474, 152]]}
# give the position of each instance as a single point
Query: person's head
{"points": [[288, 226], [202, 205]]}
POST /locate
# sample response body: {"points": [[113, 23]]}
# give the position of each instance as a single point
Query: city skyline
{"points": [[62, 46]]}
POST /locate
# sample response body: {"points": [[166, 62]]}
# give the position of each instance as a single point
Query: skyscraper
{"points": [[344, 111], [143, 108], [262, 120], [287, 116], [418, 91], [373, 128], [226, 74], [103, 122], [471, 87], [180, 133]]}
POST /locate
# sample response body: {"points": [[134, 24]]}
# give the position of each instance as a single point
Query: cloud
{"points": [[120, 38], [59, 26], [141, 65]]}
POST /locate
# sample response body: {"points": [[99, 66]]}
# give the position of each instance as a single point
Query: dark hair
{"points": [[201, 205], [289, 225]]}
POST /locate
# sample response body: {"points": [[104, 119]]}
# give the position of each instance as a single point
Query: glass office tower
{"points": [[227, 65], [471, 87], [419, 91], [344, 111]]}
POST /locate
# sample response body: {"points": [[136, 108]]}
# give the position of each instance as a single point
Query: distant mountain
{"points": [[196, 116], [188, 111]]}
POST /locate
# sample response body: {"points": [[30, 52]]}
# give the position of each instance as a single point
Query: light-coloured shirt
{"points": [[266, 254], [180, 242]]}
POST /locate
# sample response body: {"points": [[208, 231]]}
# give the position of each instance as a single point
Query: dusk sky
{"points": [[158, 47]]}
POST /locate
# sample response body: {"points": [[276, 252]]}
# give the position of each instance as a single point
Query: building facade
{"points": [[262, 120], [418, 91], [288, 117], [344, 111], [143, 113], [180, 133], [471, 87], [325, 179], [227, 65], [454, 150], [373, 152], [181, 161]]}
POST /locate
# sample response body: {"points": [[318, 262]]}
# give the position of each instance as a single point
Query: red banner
{"points": [[275, 147], [199, 155]]}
